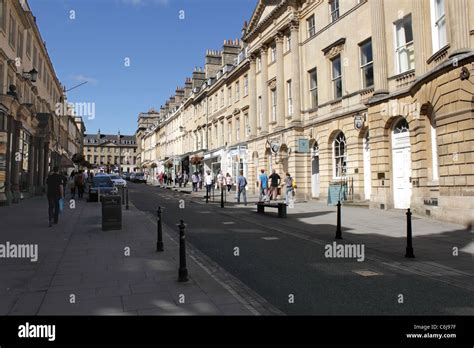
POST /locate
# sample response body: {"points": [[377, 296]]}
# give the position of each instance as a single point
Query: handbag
{"points": [[61, 205]]}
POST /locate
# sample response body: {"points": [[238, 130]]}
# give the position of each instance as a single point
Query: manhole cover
{"points": [[367, 273]]}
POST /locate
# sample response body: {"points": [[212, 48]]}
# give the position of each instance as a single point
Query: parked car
{"points": [[126, 176], [102, 184], [138, 177], [118, 181]]}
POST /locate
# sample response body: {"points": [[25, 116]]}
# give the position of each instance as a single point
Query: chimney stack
{"points": [[188, 87], [230, 51], [213, 63], [198, 77]]}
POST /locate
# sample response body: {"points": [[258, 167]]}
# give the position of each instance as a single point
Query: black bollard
{"points": [[222, 197], [183, 271], [409, 251], [159, 227], [126, 198], [338, 228], [207, 195], [123, 195]]}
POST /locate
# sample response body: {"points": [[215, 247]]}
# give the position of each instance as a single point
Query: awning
{"points": [[66, 162]]}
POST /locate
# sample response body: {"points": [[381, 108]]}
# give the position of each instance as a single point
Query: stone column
{"points": [[295, 74], [280, 83], [253, 99], [458, 26], [263, 82], [379, 46], [420, 37], [41, 164], [31, 166], [15, 173]]}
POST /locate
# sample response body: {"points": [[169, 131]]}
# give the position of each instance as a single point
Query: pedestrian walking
{"points": [[179, 178], [263, 184], [72, 185], [228, 182], [220, 180], [242, 187], [79, 182], [55, 191], [289, 184], [275, 181], [185, 179], [200, 181], [194, 180], [208, 179]]}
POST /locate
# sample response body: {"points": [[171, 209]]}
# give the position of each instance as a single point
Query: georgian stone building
{"points": [[370, 101], [35, 134], [111, 153]]}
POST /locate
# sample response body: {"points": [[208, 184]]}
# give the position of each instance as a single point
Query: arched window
{"points": [[340, 156], [401, 126]]}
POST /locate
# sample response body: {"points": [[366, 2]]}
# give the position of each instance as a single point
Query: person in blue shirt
{"points": [[263, 182], [241, 187]]}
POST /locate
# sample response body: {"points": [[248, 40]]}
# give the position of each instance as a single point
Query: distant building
{"points": [[111, 153]]}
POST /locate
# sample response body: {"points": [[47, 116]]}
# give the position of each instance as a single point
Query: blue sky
{"points": [[163, 49]]}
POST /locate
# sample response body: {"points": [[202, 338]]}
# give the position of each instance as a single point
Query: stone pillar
{"points": [[41, 165], [264, 84], [253, 99], [15, 173], [31, 166], [458, 26], [420, 36], [379, 48], [295, 74], [280, 83]]}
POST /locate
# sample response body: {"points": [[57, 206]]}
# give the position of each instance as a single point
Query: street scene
{"points": [[237, 158]]}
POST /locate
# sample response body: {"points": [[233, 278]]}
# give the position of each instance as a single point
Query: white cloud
{"points": [[82, 78]]}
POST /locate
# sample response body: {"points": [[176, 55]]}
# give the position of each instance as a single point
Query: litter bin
{"points": [[111, 213]]}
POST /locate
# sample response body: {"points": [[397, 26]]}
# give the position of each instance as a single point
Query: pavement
{"points": [[280, 257], [82, 270]]}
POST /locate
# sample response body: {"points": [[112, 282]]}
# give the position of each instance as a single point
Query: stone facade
{"points": [[35, 134], [371, 96]]}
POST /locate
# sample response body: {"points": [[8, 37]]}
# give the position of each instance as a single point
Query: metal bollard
{"points": [[338, 228], [409, 250], [159, 229], [222, 197], [183, 271], [207, 195], [126, 197]]}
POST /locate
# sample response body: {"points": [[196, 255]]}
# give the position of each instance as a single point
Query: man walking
{"points": [[194, 179], [289, 188], [275, 180], [55, 191], [241, 187], [79, 182], [208, 180], [263, 183]]}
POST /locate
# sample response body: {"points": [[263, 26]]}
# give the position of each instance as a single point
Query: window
{"points": [[237, 91], [2, 15], [273, 53], [404, 51], [313, 88], [290, 101], [237, 129], [246, 125], [288, 42], [367, 64], [210, 105], [229, 95], [222, 133], [274, 104], [438, 20], [229, 132], [310, 23], [12, 32], [216, 106], [337, 77], [260, 112], [19, 48], [334, 10], [340, 156], [28, 44], [246, 85], [222, 98]]}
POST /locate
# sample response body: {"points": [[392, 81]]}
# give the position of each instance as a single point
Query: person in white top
{"points": [[208, 180], [220, 180], [228, 182]]}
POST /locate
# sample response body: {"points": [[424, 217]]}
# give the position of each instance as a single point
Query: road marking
{"points": [[270, 238], [228, 223], [367, 273]]}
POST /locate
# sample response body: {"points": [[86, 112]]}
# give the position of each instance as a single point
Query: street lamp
{"points": [[31, 75]]}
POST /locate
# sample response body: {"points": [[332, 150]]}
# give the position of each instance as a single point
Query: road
{"points": [[291, 272]]}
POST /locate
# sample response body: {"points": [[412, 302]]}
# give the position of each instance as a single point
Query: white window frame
{"points": [[246, 85], [334, 11], [365, 66], [313, 89], [336, 159], [311, 26], [273, 97], [237, 91], [334, 79], [289, 98], [436, 19], [407, 46]]}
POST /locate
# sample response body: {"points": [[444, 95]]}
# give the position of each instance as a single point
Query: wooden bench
{"points": [[280, 206]]}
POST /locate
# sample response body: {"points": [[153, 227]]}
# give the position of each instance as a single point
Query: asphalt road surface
{"points": [[292, 273]]}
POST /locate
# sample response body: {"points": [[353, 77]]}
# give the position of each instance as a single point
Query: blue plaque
{"points": [[303, 145]]}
